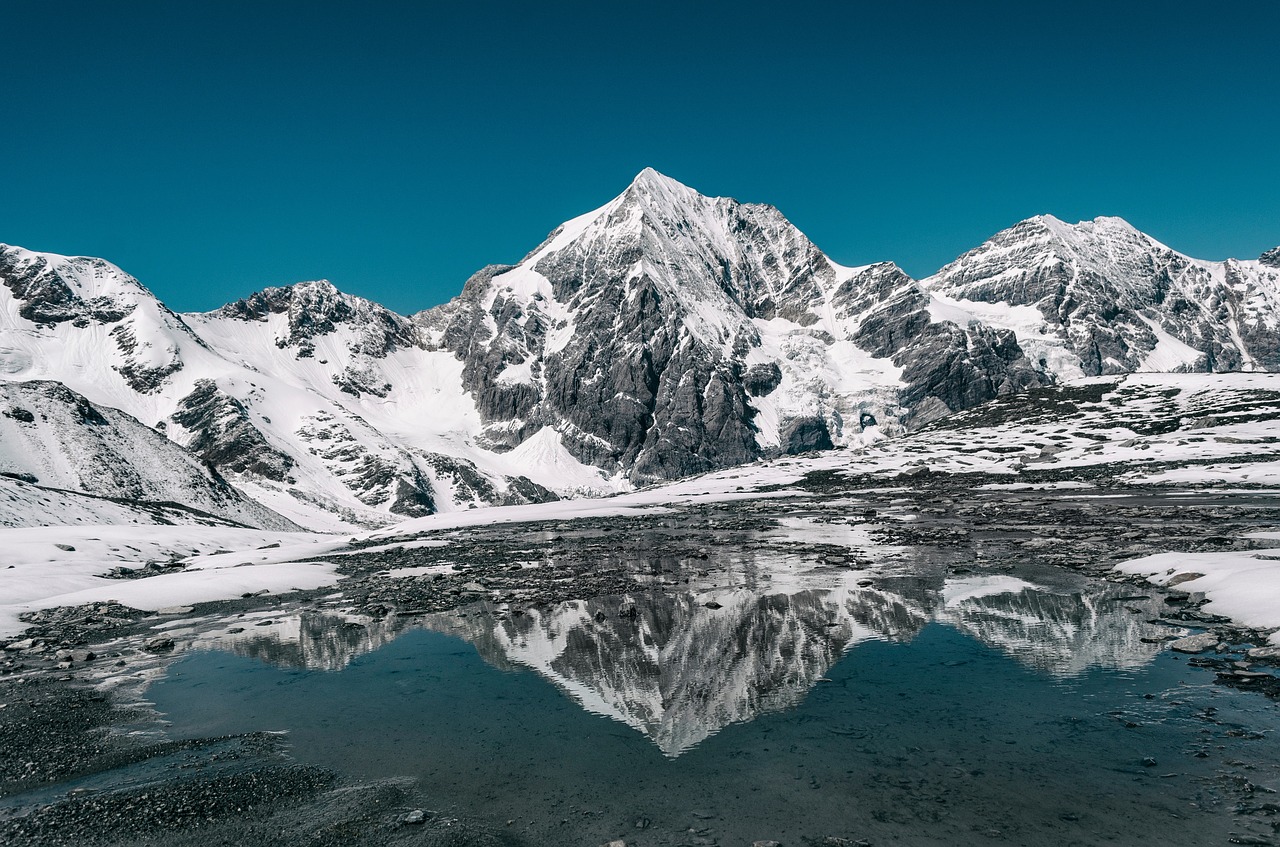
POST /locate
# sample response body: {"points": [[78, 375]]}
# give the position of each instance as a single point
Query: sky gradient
{"points": [[212, 149]]}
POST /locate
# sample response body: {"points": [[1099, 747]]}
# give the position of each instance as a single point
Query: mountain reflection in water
{"points": [[678, 667]]}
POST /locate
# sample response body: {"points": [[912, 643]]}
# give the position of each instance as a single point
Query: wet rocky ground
{"points": [[84, 764]]}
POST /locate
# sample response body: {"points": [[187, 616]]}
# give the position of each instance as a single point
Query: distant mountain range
{"points": [[661, 335]]}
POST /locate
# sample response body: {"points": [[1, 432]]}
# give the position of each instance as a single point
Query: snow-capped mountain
{"points": [[1100, 297], [668, 333], [663, 334]]}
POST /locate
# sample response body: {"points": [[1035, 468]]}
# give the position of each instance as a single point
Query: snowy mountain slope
{"points": [[1116, 300], [26, 504], [664, 334], [395, 424], [52, 436], [294, 439]]}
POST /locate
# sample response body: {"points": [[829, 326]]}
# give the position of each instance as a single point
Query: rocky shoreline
{"points": [[62, 725]]}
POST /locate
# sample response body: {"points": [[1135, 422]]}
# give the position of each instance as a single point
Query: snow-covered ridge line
{"points": [[662, 335]]}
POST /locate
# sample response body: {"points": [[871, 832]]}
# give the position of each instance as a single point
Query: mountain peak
{"points": [[652, 180], [1104, 224], [1271, 257], [651, 188]]}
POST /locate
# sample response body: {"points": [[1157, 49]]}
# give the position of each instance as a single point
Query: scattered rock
{"points": [[158, 644], [1181, 578], [417, 816], [66, 547], [1195, 643]]}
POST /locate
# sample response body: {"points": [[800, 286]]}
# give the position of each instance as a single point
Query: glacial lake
{"points": [[990, 711]]}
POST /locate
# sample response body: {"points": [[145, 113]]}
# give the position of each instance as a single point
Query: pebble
{"points": [[415, 817]]}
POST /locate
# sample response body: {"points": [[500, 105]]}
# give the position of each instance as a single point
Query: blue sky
{"points": [[212, 149]]}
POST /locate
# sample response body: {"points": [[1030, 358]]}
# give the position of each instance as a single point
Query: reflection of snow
{"points": [[667, 665], [956, 591], [679, 672]]}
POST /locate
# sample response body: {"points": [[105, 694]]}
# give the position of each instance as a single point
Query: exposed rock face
{"points": [[611, 331], [314, 309], [1271, 258], [945, 367], [641, 333], [761, 380], [46, 297], [222, 433], [88, 295], [377, 480]]}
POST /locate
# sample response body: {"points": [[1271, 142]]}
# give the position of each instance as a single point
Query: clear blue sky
{"points": [[212, 149]]}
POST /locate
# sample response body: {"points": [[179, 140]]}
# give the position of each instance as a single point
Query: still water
{"points": [[987, 710]]}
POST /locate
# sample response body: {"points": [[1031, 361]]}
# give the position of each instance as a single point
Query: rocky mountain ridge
{"points": [[661, 335]]}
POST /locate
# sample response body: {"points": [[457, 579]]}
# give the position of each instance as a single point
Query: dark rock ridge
{"points": [[222, 433], [84, 293], [317, 309], [945, 367], [46, 297]]}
